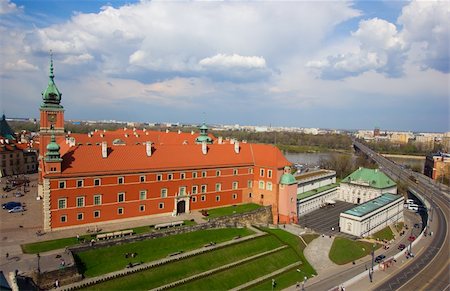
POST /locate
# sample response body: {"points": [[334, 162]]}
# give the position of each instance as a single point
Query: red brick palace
{"points": [[89, 179]]}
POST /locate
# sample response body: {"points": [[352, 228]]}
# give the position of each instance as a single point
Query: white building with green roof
{"points": [[372, 216], [365, 184]]}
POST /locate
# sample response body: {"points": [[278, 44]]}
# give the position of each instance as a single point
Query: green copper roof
{"points": [[51, 97], [52, 154], [373, 205], [5, 129], [288, 179], [203, 135], [369, 177], [316, 191]]}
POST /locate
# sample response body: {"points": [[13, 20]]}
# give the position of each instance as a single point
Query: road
{"points": [[430, 268]]}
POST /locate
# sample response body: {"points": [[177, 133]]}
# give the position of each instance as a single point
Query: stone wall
{"points": [[261, 215], [46, 280]]}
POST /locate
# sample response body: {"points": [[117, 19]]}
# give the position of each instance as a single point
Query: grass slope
{"points": [[229, 210], [165, 274], [104, 260]]}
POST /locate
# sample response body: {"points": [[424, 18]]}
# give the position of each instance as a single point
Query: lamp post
{"points": [[373, 261], [305, 278]]}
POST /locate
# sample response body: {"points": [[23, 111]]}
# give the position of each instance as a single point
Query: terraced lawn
{"points": [[243, 273], [177, 270], [49, 245], [229, 210], [386, 233], [104, 260]]}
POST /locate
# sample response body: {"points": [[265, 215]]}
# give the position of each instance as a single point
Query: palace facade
{"points": [[103, 176]]}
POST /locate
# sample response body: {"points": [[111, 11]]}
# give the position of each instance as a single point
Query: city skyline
{"points": [[334, 65]]}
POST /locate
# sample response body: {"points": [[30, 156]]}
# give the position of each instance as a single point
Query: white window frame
{"points": [[182, 176], [235, 185], [218, 173], [96, 211], [269, 173], [63, 218], [161, 205], [118, 197], [120, 180], [218, 198], [204, 188], [234, 196], [142, 193], [170, 177], [82, 183], [142, 208], [261, 172], [62, 183], [82, 199], [100, 199], [120, 211], [195, 189], [269, 186], [82, 216], [261, 184], [194, 175], [235, 172], [203, 198], [218, 187], [64, 201], [142, 179], [164, 192], [99, 182], [159, 177]]}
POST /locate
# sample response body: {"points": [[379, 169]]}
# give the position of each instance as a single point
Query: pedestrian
{"points": [[78, 237], [56, 283], [365, 266]]}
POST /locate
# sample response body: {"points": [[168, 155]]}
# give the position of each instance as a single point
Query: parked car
{"points": [[379, 258], [18, 194], [401, 247], [10, 205], [16, 209]]}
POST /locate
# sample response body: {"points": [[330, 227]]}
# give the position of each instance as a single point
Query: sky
{"points": [[326, 64]]}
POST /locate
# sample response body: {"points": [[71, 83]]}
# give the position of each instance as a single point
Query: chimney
{"points": [[134, 128], [96, 130], [124, 128], [104, 149], [144, 129], [220, 141], [71, 142], [104, 130], [167, 131], [69, 132], [148, 148], [7, 141], [126, 134], [179, 131], [89, 134], [236, 147], [192, 132], [146, 133], [232, 141], [2, 141], [204, 148], [102, 135]]}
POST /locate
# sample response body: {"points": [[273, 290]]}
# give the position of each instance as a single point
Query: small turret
{"points": [[203, 137], [51, 97]]}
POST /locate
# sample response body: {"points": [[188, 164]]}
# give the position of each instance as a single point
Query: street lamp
{"points": [[373, 261], [305, 278]]}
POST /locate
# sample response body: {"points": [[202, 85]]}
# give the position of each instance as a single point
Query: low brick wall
{"points": [[262, 215]]}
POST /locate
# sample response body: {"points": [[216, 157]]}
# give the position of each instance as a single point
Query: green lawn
{"points": [[283, 280], [344, 251], [104, 260], [49, 245], [296, 244], [385, 233], [309, 237], [229, 210], [243, 273], [177, 270]]}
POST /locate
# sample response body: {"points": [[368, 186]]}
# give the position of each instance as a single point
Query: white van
{"points": [[414, 207]]}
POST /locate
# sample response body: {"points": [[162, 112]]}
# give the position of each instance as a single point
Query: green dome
{"points": [[203, 138], [53, 147], [287, 179], [51, 97]]}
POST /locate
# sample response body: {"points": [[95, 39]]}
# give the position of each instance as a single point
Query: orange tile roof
{"points": [[85, 160], [131, 137]]}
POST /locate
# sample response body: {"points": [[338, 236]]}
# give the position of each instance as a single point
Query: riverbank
{"points": [[310, 149]]}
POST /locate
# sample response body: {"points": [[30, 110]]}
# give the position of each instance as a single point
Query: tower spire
{"points": [[51, 97]]}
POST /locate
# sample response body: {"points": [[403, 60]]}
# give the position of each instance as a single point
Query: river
{"points": [[313, 159]]}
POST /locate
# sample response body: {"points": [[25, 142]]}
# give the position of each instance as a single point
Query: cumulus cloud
{"points": [[234, 61], [427, 25], [380, 49], [423, 38], [77, 59], [20, 65], [7, 7]]}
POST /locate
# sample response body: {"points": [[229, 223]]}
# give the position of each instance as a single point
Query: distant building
{"points": [[425, 142], [365, 184], [103, 176], [400, 138], [372, 216], [446, 142], [376, 132], [437, 166], [16, 158]]}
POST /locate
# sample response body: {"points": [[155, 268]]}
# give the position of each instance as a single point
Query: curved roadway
{"points": [[430, 270]]}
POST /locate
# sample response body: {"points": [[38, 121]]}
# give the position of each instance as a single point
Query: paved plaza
{"points": [[326, 220]]}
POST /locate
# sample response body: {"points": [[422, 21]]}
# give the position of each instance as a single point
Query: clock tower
{"points": [[51, 119], [52, 112]]}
